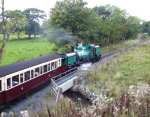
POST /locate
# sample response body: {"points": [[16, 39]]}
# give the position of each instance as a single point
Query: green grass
{"points": [[25, 49], [128, 69]]}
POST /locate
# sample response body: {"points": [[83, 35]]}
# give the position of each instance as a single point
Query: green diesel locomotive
{"points": [[88, 52], [82, 53]]}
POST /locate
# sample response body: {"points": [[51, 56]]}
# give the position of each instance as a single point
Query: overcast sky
{"points": [[140, 8]]}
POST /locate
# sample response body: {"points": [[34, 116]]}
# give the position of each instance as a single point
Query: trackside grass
{"points": [[19, 50], [130, 68]]}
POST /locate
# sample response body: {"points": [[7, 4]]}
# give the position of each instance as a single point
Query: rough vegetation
{"points": [[129, 69]]}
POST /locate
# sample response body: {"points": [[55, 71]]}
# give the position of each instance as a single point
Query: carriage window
{"points": [[59, 62], [52, 65], [8, 83], [55, 64], [21, 78], [15, 80], [0, 85], [27, 75], [49, 67], [45, 68], [37, 71], [41, 70], [32, 73]]}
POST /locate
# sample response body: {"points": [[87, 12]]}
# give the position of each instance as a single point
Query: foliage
{"points": [[33, 16], [73, 16], [146, 27], [114, 25], [15, 22], [133, 24], [103, 24], [27, 21]]}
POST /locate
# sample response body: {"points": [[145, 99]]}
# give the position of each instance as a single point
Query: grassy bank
{"points": [[19, 50], [128, 69]]}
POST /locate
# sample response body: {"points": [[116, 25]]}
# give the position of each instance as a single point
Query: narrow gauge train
{"points": [[88, 52], [21, 78]]}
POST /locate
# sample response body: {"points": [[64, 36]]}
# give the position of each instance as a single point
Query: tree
{"points": [[102, 24], [133, 24], [3, 25], [146, 27], [73, 16], [115, 25], [33, 16], [102, 12], [16, 22]]}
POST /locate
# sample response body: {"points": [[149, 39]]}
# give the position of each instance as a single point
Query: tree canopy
{"points": [[33, 16], [27, 21], [146, 27], [102, 24], [15, 21]]}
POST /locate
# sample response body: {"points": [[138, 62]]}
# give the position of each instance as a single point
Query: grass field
{"points": [[128, 69], [19, 50]]}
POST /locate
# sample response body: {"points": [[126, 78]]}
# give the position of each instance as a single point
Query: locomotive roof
{"points": [[6, 70]]}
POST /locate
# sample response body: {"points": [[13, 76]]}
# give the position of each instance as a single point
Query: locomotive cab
{"points": [[83, 52], [88, 52], [70, 60]]}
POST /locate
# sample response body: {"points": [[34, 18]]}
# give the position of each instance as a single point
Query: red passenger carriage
{"points": [[20, 78]]}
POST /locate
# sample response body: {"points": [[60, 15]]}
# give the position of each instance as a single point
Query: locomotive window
{"points": [[32, 73], [37, 71], [21, 78], [8, 83], [0, 85], [27, 75], [15, 80], [45, 68], [79, 48]]}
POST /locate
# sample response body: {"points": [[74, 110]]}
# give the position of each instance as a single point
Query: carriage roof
{"points": [[6, 70]]}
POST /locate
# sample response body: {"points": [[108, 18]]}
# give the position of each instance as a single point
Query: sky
{"points": [[139, 8]]}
